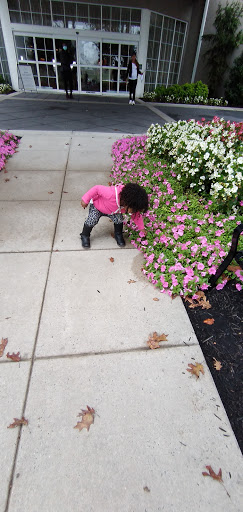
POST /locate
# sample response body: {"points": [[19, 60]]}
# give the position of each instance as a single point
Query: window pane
{"points": [[57, 8], [125, 14], [115, 13], [106, 12], [21, 54], [95, 11], [35, 5], [90, 79], [26, 18], [46, 20], [82, 11], [106, 25], [58, 21], [19, 41], [13, 4], [45, 6], [15, 17], [40, 43], [49, 43], [70, 9], [41, 55], [136, 15], [36, 18], [24, 5]]}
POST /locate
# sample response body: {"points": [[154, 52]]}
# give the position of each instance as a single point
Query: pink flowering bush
{"points": [[185, 238], [8, 146]]}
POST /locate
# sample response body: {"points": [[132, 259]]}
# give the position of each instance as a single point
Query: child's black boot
{"points": [[118, 235], [85, 236]]}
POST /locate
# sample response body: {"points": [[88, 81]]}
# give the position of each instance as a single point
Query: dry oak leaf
{"points": [[200, 301], [112, 260], [18, 422], [3, 344], [233, 268], [213, 474], [155, 299], [209, 321], [87, 419], [195, 369], [217, 364], [15, 357], [131, 281], [154, 340]]}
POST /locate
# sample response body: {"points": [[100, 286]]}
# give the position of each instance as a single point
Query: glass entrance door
{"points": [[102, 65]]}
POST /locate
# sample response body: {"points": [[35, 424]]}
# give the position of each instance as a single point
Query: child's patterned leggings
{"points": [[94, 217]]}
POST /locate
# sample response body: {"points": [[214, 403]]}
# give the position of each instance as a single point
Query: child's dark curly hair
{"points": [[135, 197]]}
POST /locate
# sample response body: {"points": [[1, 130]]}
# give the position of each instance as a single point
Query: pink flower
{"points": [[200, 266], [238, 287], [212, 270], [204, 286], [163, 268]]}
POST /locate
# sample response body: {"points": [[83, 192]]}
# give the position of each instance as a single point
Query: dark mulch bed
{"points": [[224, 341]]}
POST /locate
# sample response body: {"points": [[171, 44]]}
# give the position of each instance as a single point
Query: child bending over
{"points": [[112, 202]]}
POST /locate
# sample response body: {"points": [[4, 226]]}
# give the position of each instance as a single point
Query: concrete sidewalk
{"points": [[81, 329]]}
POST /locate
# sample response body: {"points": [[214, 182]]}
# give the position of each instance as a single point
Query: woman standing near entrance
{"points": [[132, 74]]}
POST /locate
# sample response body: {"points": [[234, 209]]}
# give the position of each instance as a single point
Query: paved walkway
{"points": [[81, 329]]}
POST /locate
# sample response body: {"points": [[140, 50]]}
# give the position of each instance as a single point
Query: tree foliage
{"points": [[234, 86], [227, 38]]}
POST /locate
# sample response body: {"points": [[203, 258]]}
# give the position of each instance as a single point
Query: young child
{"points": [[112, 202]]}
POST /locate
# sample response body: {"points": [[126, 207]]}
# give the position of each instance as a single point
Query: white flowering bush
{"points": [[5, 88], [206, 157]]}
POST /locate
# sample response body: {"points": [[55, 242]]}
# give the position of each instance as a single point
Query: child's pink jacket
{"points": [[106, 200]]}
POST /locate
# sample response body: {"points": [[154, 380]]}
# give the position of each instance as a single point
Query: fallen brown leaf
{"points": [[233, 268], [7, 179], [200, 301], [30, 146], [109, 183], [112, 260], [155, 299], [131, 281], [195, 369], [146, 489], [213, 474], [3, 344], [64, 192], [87, 419], [50, 192], [217, 364], [15, 357], [209, 321], [18, 422], [154, 340]]}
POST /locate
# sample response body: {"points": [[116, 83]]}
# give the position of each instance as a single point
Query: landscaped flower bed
{"points": [[186, 237], [8, 146]]}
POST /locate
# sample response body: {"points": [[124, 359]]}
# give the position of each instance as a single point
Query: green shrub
{"points": [[234, 86]]}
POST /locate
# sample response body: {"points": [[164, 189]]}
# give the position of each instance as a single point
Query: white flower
{"points": [[240, 160], [206, 156]]}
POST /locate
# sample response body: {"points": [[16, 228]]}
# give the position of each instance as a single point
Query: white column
{"points": [[9, 43], [143, 47]]}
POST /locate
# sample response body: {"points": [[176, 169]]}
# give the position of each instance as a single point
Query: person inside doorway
{"points": [[132, 74], [66, 60]]}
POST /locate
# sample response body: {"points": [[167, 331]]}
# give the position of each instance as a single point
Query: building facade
{"points": [[101, 37]]}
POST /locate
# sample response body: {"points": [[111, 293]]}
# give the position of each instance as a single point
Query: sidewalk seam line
{"points": [[32, 360], [101, 353]]}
